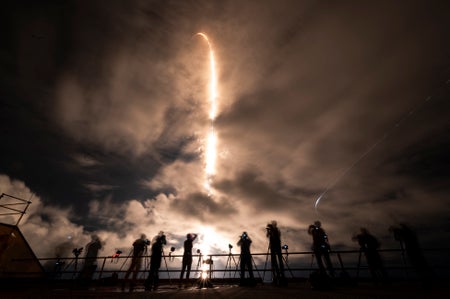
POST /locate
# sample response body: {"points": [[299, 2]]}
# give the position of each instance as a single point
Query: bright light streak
{"points": [[211, 152], [205, 269]]}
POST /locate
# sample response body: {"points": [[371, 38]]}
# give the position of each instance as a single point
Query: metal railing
{"points": [[297, 265]]}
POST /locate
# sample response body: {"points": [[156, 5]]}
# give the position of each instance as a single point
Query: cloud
{"points": [[312, 97]]}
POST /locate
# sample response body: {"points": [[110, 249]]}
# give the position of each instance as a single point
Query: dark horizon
{"points": [[105, 120]]}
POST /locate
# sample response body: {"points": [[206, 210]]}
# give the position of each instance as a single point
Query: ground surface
{"points": [[263, 291]]}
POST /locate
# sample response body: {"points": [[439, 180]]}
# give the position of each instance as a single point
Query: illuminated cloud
{"points": [[110, 132]]}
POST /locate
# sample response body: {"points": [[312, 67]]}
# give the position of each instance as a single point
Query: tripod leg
{"points": [[146, 266], [126, 260], [404, 259], [312, 262], [226, 266], [359, 265], [287, 266], [199, 262], [265, 264], [68, 265], [238, 263], [256, 269], [168, 273]]}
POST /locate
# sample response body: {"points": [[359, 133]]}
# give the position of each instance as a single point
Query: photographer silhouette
{"points": [[139, 248], [274, 235], [152, 281], [321, 247], [187, 255], [246, 260]]}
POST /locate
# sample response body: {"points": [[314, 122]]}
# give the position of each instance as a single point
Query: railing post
{"points": [[101, 270]]}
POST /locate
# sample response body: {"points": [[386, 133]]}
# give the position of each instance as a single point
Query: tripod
{"points": [[152, 280], [167, 268], [74, 261], [253, 263], [282, 260], [200, 260], [76, 252], [133, 269], [323, 256], [285, 259], [228, 264], [359, 264], [123, 264]]}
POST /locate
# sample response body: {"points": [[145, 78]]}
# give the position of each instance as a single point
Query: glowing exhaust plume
{"points": [[211, 152]]}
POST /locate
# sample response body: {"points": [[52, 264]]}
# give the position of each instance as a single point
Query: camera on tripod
{"points": [[77, 251]]}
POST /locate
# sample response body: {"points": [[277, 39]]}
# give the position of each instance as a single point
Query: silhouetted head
{"points": [[143, 237], [189, 236], [364, 230], [161, 239], [317, 223]]}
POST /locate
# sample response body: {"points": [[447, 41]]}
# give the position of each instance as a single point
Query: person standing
{"points": [[369, 245], [274, 235], [187, 256], [151, 283], [139, 248], [321, 247], [246, 260], [409, 243], [90, 261]]}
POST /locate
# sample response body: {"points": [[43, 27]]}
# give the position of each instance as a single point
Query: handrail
{"points": [[297, 264]]}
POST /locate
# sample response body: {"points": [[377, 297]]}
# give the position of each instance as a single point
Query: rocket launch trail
{"points": [[211, 151]]}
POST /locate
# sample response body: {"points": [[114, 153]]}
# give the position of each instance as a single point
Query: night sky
{"points": [[104, 116]]}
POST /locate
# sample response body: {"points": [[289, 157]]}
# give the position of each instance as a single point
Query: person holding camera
{"points": [[139, 248], [321, 247], [369, 245], [246, 260], [187, 255], [274, 235], [151, 283], [90, 261]]}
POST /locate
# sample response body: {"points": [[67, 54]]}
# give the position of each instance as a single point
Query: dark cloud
{"points": [[202, 207], [104, 115]]}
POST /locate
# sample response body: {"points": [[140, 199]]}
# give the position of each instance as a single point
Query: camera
{"points": [[244, 236], [77, 251], [147, 242], [230, 246], [285, 247]]}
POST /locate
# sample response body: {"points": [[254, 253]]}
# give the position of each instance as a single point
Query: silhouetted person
{"points": [[321, 247], [369, 245], [274, 235], [139, 248], [187, 255], [151, 283], [90, 261], [410, 244], [246, 259]]}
